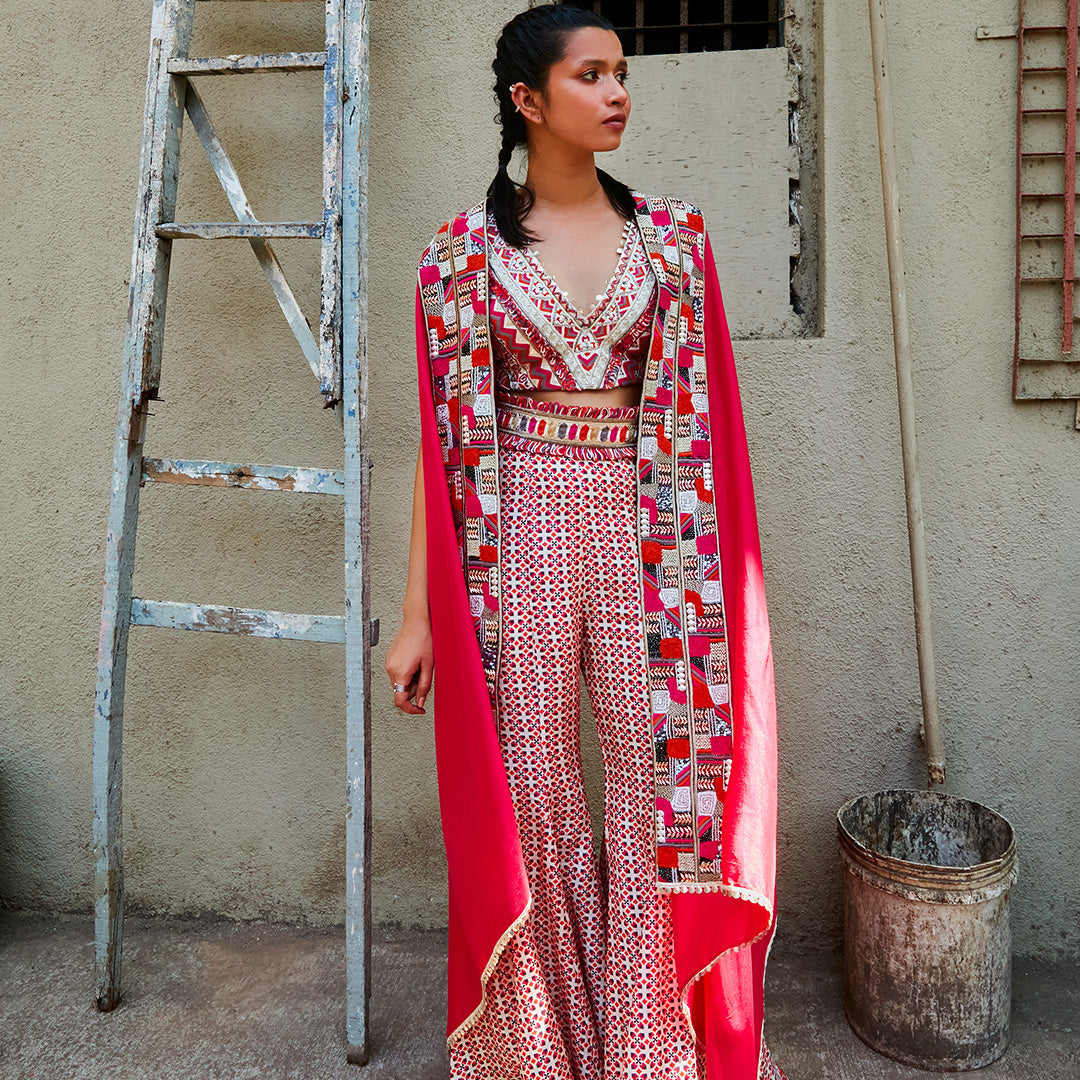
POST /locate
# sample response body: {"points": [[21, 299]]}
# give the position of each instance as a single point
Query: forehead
{"points": [[592, 43]]}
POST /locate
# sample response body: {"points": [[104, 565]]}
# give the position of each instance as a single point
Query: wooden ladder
{"points": [[337, 357], [1045, 364]]}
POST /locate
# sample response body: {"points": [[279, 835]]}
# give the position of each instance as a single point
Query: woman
{"points": [[583, 503]]}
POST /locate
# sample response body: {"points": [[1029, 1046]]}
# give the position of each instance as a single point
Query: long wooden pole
{"points": [[935, 751]]}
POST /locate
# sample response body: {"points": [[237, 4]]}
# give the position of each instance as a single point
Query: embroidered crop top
{"points": [[541, 341]]}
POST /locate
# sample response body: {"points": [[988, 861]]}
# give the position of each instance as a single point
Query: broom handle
{"points": [[935, 752]]}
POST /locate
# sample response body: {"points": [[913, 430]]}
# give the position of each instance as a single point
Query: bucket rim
{"points": [[975, 873]]}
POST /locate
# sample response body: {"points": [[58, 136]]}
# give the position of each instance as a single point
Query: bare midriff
{"points": [[619, 397]]}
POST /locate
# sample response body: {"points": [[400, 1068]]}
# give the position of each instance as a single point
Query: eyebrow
{"points": [[601, 63]]}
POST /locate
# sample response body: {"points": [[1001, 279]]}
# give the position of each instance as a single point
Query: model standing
{"points": [[583, 503]]}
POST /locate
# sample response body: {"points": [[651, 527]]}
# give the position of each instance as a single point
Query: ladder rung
{"points": [[239, 65], [235, 230], [264, 477], [230, 620]]}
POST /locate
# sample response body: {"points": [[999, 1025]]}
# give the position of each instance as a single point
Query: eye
{"points": [[623, 76], [591, 75]]}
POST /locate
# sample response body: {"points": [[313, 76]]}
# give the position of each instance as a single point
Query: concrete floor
{"points": [[237, 1001]]}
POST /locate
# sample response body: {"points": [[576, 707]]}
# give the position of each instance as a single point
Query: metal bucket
{"points": [[927, 946]]}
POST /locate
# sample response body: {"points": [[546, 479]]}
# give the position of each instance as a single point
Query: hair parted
{"points": [[527, 48]]}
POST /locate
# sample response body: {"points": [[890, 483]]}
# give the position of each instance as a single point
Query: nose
{"points": [[618, 94]]}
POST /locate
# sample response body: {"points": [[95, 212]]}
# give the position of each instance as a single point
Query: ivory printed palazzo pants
{"points": [[586, 989]]}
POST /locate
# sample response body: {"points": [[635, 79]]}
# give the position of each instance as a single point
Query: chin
{"points": [[612, 142]]}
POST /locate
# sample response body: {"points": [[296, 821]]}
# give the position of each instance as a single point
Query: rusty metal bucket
{"points": [[927, 945]]}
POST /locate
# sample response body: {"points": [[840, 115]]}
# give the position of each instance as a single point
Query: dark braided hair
{"points": [[529, 45]]}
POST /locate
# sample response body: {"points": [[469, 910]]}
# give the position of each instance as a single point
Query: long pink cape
{"points": [[721, 939]]}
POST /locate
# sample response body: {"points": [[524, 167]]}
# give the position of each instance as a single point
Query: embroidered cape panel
{"points": [[453, 290], [681, 587]]}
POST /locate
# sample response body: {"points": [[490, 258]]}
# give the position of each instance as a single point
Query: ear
{"points": [[527, 103]]}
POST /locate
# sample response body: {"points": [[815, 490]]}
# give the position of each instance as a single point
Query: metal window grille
{"points": [[678, 26]]}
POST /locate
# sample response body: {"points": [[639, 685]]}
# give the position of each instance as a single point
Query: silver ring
{"points": [[399, 689]]}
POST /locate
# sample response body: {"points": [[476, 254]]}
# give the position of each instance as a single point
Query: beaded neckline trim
{"points": [[548, 304]]}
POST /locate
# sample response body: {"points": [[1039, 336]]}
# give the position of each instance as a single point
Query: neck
{"points": [[561, 179]]}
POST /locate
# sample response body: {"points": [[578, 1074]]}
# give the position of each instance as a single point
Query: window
{"points": [[679, 26], [726, 115]]}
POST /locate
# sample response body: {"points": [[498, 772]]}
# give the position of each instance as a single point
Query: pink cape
{"points": [[721, 939]]}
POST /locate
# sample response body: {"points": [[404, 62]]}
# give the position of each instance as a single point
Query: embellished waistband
{"points": [[580, 431]]}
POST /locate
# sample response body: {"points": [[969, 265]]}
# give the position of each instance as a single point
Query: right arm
{"points": [[410, 658]]}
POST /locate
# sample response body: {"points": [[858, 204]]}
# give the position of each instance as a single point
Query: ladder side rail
{"points": [[334, 94], [1020, 66], [170, 34], [158, 178], [1068, 312], [268, 260], [360, 633]]}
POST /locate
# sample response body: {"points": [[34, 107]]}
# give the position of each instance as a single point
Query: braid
{"points": [[528, 46], [510, 207], [507, 151]]}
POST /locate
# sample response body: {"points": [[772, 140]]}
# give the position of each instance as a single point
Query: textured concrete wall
{"points": [[234, 777]]}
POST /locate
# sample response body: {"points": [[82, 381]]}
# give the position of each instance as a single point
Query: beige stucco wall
{"points": [[234, 776]]}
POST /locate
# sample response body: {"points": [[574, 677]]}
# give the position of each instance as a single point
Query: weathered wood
{"points": [[359, 627], [170, 615], [343, 314], [230, 182], [158, 163], [169, 35], [262, 477], [225, 230], [240, 65], [330, 307]]}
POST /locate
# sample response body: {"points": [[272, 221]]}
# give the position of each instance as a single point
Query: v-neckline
{"points": [[602, 299]]}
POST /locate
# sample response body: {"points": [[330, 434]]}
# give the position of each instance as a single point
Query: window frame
{"points": [[728, 25]]}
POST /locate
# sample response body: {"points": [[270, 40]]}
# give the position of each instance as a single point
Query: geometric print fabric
{"points": [[678, 554], [586, 989]]}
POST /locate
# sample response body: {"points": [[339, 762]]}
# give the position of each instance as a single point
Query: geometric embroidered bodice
{"points": [[541, 341]]}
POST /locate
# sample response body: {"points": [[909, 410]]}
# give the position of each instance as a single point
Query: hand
{"points": [[409, 663]]}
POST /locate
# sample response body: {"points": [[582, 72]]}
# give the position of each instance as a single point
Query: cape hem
{"points": [[463, 1028], [770, 928]]}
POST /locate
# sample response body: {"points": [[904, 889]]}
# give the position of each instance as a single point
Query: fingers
{"points": [[402, 700], [423, 682], [410, 667], [411, 681]]}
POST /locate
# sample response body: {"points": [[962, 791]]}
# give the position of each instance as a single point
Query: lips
{"points": [[617, 121]]}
